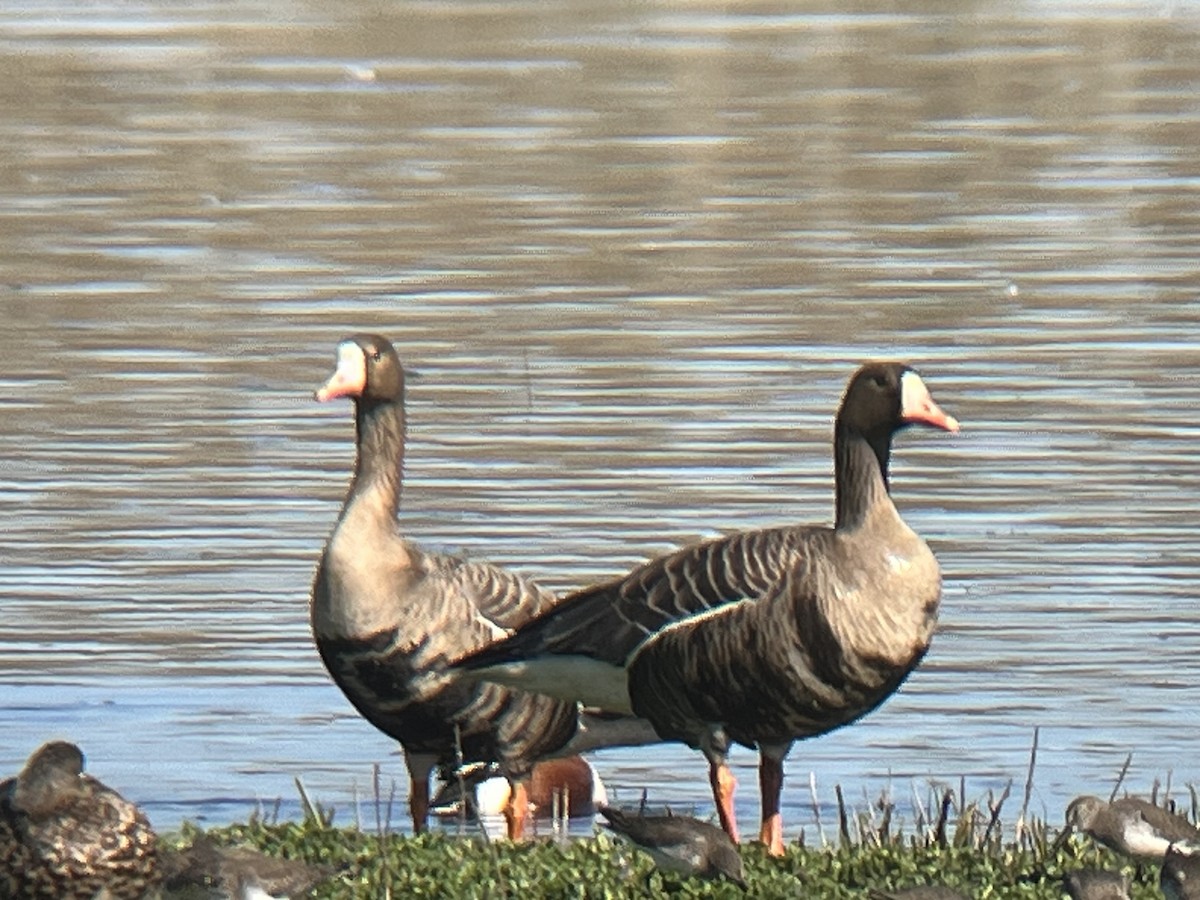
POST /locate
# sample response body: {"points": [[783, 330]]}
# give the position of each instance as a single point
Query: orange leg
{"points": [[516, 812], [770, 786], [723, 785]]}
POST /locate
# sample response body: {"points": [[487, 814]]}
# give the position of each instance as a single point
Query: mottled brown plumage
{"points": [[759, 637], [389, 617], [65, 836]]}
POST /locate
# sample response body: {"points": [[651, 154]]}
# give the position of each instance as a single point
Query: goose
{"points": [[759, 637], [388, 618], [1131, 825], [680, 844], [64, 834]]}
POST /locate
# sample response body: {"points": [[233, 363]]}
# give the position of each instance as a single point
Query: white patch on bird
{"points": [[492, 795], [599, 792], [498, 632], [914, 396], [715, 613], [898, 562], [596, 733], [1143, 839], [350, 376], [578, 678], [252, 891], [676, 859]]}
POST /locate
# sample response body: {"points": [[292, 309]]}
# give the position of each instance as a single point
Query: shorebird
{"points": [[65, 835], [1130, 825], [208, 871], [920, 892], [680, 844], [761, 637], [1096, 884], [1180, 875]]}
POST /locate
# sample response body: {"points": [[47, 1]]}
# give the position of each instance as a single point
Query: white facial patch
{"points": [[914, 396], [350, 377]]}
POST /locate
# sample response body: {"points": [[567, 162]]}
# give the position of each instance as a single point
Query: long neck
{"points": [[861, 472], [379, 466]]}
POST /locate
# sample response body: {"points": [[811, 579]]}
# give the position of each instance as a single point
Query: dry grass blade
{"points": [[1121, 778]]}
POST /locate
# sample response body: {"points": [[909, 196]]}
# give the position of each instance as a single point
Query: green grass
{"points": [[949, 841], [439, 865]]}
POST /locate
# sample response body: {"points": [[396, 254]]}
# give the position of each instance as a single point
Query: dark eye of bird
{"points": [[880, 380], [376, 356]]}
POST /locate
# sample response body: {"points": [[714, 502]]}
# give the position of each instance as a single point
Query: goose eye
{"points": [[376, 356], [879, 380]]}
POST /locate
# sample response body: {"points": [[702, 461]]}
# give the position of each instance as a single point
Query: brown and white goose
{"points": [[388, 617], [760, 637]]}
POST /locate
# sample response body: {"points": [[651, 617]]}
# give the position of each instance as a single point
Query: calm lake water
{"points": [[634, 250]]}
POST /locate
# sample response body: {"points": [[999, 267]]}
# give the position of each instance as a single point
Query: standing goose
{"points": [[65, 835], [388, 617], [760, 637]]}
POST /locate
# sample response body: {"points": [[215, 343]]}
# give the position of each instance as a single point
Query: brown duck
{"points": [[65, 836]]}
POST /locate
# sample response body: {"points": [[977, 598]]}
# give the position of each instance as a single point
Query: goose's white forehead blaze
{"points": [[916, 404], [350, 377]]}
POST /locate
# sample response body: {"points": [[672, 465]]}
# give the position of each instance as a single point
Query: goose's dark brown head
{"points": [[886, 396], [367, 369]]}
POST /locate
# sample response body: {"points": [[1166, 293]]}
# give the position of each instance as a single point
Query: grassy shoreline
{"points": [[439, 865], [950, 840]]}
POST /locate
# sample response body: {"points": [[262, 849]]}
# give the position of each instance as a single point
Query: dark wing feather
{"points": [[657, 832], [608, 621], [502, 597]]}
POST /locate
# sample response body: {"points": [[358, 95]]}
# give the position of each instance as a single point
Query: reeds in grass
{"points": [[941, 836]]}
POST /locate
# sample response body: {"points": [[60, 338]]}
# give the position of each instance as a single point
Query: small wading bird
{"points": [[206, 871], [1130, 825], [66, 836], [760, 637], [680, 844], [920, 892], [1180, 875], [1096, 884], [388, 617]]}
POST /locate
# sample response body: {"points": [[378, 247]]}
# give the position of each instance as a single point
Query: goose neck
{"points": [[379, 464], [861, 473]]}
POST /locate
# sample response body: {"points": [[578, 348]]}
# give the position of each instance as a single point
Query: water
{"points": [[634, 251]]}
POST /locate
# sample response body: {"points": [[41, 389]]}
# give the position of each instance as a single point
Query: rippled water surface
{"points": [[634, 250]]}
